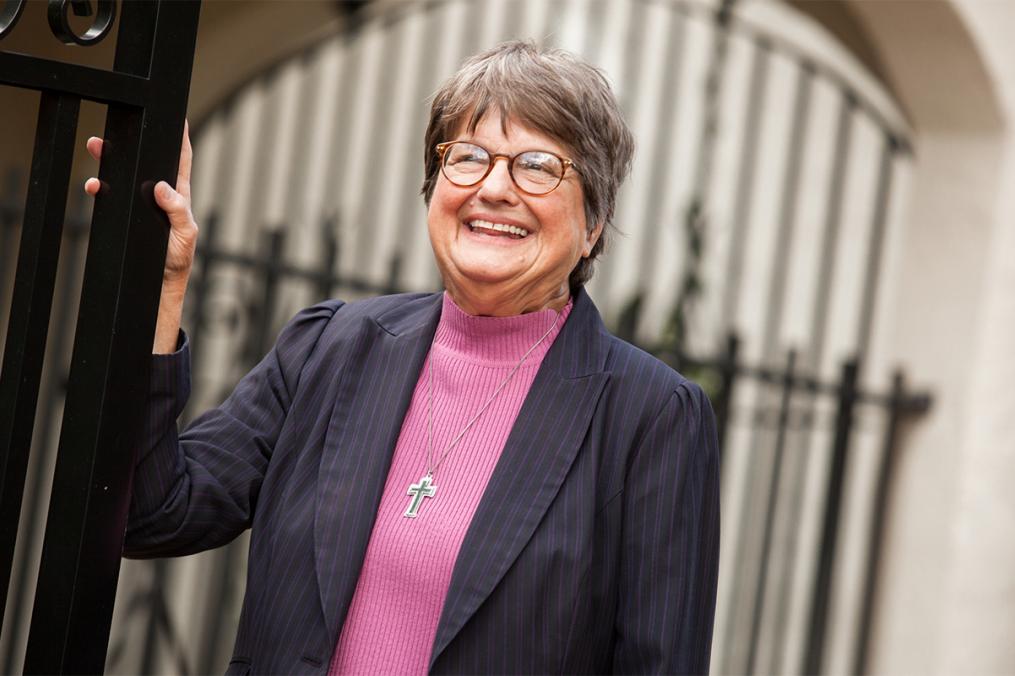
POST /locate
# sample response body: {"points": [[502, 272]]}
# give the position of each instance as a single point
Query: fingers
{"points": [[169, 201], [94, 146]]}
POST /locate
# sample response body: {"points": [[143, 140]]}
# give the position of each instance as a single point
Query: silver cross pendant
{"points": [[418, 491]]}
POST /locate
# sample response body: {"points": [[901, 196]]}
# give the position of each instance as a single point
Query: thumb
{"points": [[172, 202]]}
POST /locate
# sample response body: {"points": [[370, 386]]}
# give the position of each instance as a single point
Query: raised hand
{"points": [[182, 241], [176, 204]]}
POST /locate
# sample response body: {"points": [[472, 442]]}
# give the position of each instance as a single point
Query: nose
{"points": [[498, 186]]}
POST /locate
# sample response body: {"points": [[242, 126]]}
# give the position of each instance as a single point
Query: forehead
{"points": [[499, 133]]}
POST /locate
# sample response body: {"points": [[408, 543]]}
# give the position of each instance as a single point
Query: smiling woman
{"points": [[481, 480], [501, 250]]}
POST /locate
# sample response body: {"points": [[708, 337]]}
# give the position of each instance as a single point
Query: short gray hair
{"points": [[556, 93]]}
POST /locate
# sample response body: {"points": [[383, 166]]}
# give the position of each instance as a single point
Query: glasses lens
{"points": [[537, 172], [465, 164]]}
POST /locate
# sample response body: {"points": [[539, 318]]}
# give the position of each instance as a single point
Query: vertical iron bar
{"points": [[35, 279], [879, 517], [876, 244], [787, 209], [75, 233], [786, 396], [394, 272], [787, 229], [743, 203], [627, 323], [112, 347], [154, 612], [830, 236], [724, 402], [712, 99], [263, 336], [833, 506], [9, 227], [744, 191], [329, 246], [296, 177]]}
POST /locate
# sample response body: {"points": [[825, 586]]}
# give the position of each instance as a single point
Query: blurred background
{"points": [[819, 227]]}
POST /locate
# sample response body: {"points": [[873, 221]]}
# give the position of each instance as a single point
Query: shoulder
{"points": [[390, 308], [667, 414], [324, 337], [329, 323], [647, 394], [639, 385], [635, 372], [338, 315]]}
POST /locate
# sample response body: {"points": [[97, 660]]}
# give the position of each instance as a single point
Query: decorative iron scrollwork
{"points": [[9, 14], [59, 24]]}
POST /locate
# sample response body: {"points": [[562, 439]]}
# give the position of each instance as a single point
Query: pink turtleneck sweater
{"points": [[393, 618]]}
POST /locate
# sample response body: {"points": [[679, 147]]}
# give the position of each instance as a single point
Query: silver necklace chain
{"points": [[431, 466]]}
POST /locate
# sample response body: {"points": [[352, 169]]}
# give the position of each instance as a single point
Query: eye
{"points": [[538, 162], [466, 154]]}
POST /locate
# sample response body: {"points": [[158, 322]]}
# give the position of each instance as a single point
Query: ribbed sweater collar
{"points": [[496, 341]]}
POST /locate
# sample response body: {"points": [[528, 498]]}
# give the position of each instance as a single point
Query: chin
{"points": [[484, 279], [485, 270]]}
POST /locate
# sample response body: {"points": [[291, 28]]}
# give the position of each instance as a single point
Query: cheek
{"points": [[446, 202]]}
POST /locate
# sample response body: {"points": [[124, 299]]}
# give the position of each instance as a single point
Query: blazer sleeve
{"points": [[198, 490], [670, 542]]}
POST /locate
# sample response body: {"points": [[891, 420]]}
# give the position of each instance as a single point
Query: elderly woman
{"points": [[482, 480]]}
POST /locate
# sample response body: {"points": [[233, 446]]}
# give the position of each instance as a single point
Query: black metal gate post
{"points": [[146, 94], [30, 307]]}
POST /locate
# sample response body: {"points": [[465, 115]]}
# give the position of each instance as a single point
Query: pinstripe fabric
{"points": [[594, 548]]}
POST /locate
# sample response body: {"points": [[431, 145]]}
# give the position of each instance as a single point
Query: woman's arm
{"points": [[199, 490], [670, 543]]}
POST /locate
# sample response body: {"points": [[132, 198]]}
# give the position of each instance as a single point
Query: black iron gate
{"points": [[146, 97]]}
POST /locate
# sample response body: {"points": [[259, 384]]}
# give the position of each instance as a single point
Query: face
{"points": [[492, 272]]}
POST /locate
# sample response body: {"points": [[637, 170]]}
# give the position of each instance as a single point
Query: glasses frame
{"points": [[442, 149]]}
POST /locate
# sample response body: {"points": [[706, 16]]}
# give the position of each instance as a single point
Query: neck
{"points": [[495, 340], [484, 303]]}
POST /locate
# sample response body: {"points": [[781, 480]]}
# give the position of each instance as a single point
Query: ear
{"points": [[591, 239]]}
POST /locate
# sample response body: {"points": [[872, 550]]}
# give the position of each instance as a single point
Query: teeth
{"points": [[499, 227]]}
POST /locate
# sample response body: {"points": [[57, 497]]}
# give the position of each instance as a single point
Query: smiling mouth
{"points": [[488, 227]]}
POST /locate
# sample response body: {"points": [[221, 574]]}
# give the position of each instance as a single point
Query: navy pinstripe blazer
{"points": [[595, 545]]}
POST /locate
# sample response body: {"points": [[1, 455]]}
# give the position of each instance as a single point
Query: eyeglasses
{"points": [[536, 172]]}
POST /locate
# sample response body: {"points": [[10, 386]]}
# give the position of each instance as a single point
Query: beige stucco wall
{"points": [[980, 591], [947, 603]]}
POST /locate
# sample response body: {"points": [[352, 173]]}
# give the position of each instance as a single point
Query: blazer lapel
{"points": [[371, 401], [539, 452]]}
